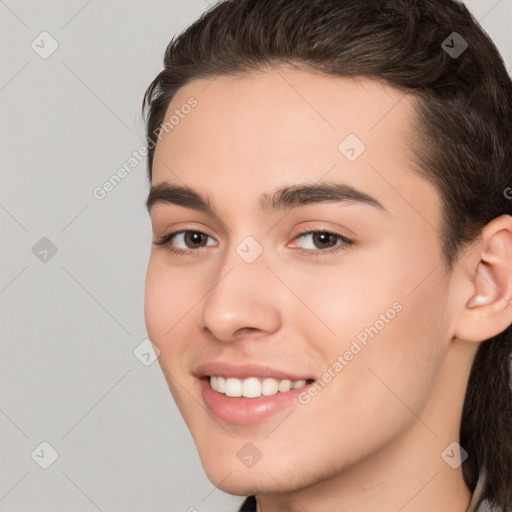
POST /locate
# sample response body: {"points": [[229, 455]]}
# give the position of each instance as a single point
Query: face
{"points": [[341, 286]]}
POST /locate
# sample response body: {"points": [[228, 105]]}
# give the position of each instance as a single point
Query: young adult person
{"points": [[330, 279]]}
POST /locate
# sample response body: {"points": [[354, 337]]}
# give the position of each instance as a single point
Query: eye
{"points": [[194, 240], [324, 238], [186, 237]]}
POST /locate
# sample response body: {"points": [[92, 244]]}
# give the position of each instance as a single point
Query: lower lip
{"points": [[246, 411]]}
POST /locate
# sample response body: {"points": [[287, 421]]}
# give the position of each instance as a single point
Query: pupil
{"points": [[195, 237], [324, 236]]}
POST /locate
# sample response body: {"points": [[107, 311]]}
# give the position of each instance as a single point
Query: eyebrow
{"points": [[293, 196]]}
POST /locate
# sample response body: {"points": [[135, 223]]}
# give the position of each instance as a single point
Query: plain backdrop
{"points": [[77, 393]]}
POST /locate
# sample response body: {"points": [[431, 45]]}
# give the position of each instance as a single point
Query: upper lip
{"points": [[242, 371]]}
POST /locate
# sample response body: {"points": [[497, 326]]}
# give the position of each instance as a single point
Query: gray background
{"points": [[71, 323]]}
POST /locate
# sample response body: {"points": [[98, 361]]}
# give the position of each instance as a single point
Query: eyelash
{"points": [[346, 243]]}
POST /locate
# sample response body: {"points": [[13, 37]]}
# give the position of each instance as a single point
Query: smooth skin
{"points": [[372, 439]]}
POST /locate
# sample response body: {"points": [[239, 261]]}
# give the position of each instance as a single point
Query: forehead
{"points": [[258, 131], [282, 107]]}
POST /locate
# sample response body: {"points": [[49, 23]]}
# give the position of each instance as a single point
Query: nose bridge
{"points": [[241, 295]]}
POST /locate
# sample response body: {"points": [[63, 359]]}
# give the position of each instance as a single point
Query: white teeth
{"points": [[269, 387], [252, 387], [221, 384], [285, 385], [233, 387], [298, 384]]}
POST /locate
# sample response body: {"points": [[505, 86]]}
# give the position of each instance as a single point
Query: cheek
{"points": [[337, 302], [401, 362], [157, 304], [390, 337], [166, 303]]}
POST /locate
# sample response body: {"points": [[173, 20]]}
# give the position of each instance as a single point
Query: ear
{"points": [[486, 300]]}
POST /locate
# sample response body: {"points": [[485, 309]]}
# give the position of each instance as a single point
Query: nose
{"points": [[243, 299]]}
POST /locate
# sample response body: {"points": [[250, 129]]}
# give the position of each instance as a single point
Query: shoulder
{"points": [[249, 505], [486, 507]]}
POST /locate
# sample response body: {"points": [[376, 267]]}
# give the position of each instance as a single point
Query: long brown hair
{"points": [[462, 141]]}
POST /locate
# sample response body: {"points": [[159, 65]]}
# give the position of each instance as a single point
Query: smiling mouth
{"points": [[253, 387]]}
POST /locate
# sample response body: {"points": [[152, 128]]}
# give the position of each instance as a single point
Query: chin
{"points": [[247, 485], [262, 478]]}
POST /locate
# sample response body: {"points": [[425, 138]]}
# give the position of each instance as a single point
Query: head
{"points": [[398, 145]]}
